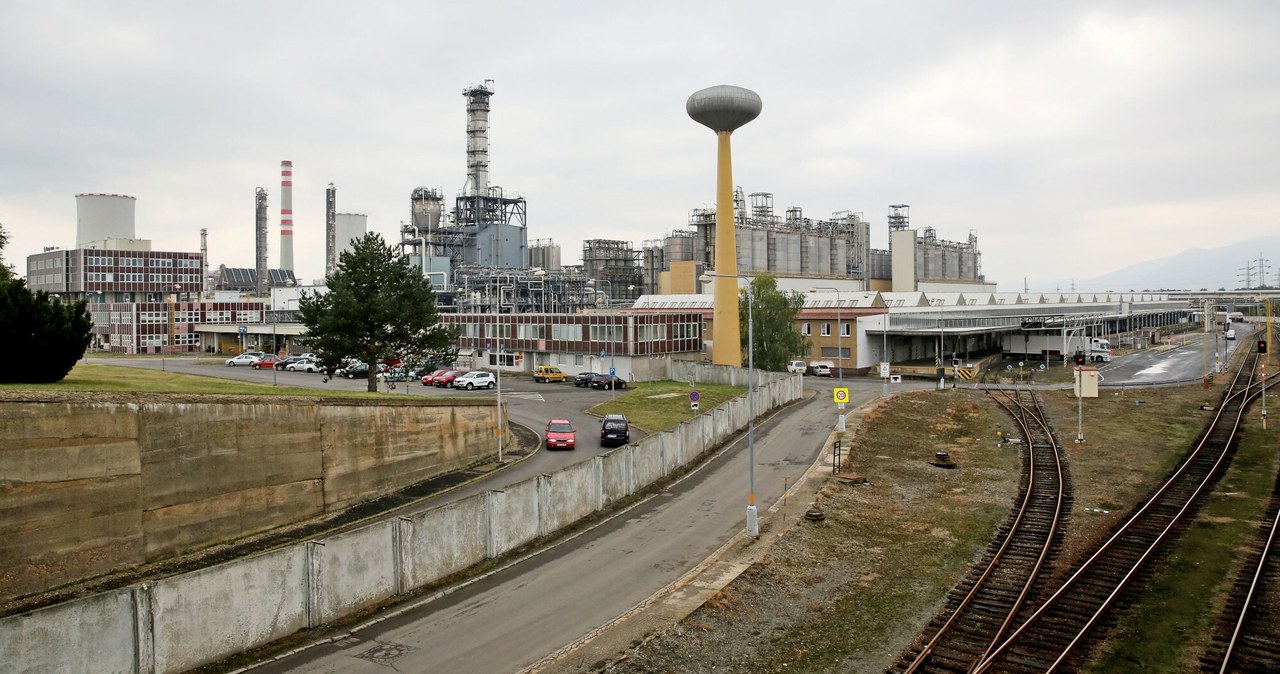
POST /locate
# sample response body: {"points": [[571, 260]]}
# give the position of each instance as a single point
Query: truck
{"points": [[1054, 347]]}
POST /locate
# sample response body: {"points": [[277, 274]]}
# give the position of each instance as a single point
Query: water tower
{"points": [[722, 109]]}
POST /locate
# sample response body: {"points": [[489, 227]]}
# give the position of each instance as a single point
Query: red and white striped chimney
{"points": [[286, 215]]}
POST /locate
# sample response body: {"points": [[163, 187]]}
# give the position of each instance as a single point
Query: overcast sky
{"points": [[1073, 138]]}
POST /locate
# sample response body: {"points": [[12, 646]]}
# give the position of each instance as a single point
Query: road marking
{"points": [[524, 395]]}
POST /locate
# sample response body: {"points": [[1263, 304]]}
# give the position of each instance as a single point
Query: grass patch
{"points": [[644, 408], [111, 378], [1168, 628]]}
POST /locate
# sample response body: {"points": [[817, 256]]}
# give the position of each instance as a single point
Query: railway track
{"points": [[1060, 632], [1247, 638], [981, 610]]}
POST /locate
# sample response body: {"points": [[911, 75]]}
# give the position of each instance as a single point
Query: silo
{"points": [[678, 247], [348, 226], [820, 254], [104, 216], [742, 242], [840, 256]]}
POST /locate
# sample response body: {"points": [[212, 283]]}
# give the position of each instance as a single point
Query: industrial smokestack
{"points": [[204, 262], [478, 137], [260, 211], [286, 215], [330, 230]]}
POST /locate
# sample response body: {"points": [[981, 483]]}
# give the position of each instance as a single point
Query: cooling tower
{"points": [[104, 216]]}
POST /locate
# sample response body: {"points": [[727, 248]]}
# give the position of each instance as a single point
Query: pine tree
{"points": [[378, 308], [47, 335]]}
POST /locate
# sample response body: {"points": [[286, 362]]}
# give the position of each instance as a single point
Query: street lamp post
{"points": [[839, 332], [753, 519], [648, 346], [942, 341], [613, 369]]}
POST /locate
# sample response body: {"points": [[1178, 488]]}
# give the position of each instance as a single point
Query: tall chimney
{"points": [[204, 262], [260, 228], [478, 137], [286, 215], [330, 230]]}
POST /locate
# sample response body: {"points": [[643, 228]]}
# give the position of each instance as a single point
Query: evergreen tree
{"points": [[776, 338], [47, 336], [377, 307]]}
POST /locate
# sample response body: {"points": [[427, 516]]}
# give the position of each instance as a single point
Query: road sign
{"points": [[693, 406], [1008, 367], [243, 330], [612, 372], [1041, 366], [884, 370], [841, 395], [601, 354], [1019, 363], [694, 396]]}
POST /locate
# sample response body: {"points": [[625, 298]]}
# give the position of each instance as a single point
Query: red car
{"points": [[444, 380], [430, 378], [560, 434], [265, 362]]}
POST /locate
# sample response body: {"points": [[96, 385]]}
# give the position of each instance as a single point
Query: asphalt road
{"points": [[511, 619]]}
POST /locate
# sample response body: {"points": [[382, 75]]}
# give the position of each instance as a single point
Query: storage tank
{"points": [[104, 216], [678, 247], [427, 205], [348, 226]]}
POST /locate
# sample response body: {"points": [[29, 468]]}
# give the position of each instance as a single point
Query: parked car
{"points": [[430, 378], [304, 365], [797, 367], [447, 378], [614, 430], [1231, 333], [355, 371], [476, 379], [583, 379], [561, 434], [821, 370], [246, 358], [265, 362], [548, 373], [607, 381], [286, 362]]}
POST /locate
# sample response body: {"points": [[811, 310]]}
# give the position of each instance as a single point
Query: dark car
{"points": [[583, 379], [614, 430], [286, 362], [357, 371], [607, 381]]}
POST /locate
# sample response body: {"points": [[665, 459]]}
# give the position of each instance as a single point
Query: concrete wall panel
{"points": [[615, 479], [353, 570], [646, 462], [94, 634], [206, 615], [514, 516], [378, 449], [443, 541], [690, 433], [571, 495], [672, 451]]}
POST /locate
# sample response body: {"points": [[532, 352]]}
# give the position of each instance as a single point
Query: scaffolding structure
{"points": [[488, 290], [617, 263]]}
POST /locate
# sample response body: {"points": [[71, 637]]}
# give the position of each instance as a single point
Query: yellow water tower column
{"points": [[723, 109]]}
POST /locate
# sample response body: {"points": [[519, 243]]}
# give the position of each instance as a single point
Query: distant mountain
{"points": [[1194, 269]]}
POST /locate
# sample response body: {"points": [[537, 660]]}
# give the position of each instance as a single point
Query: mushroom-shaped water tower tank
{"points": [[723, 107]]}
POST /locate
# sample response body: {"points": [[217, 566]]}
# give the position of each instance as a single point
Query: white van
{"points": [[797, 367]]}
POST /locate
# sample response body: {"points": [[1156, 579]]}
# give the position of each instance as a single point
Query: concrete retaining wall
{"points": [[200, 617], [91, 487]]}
